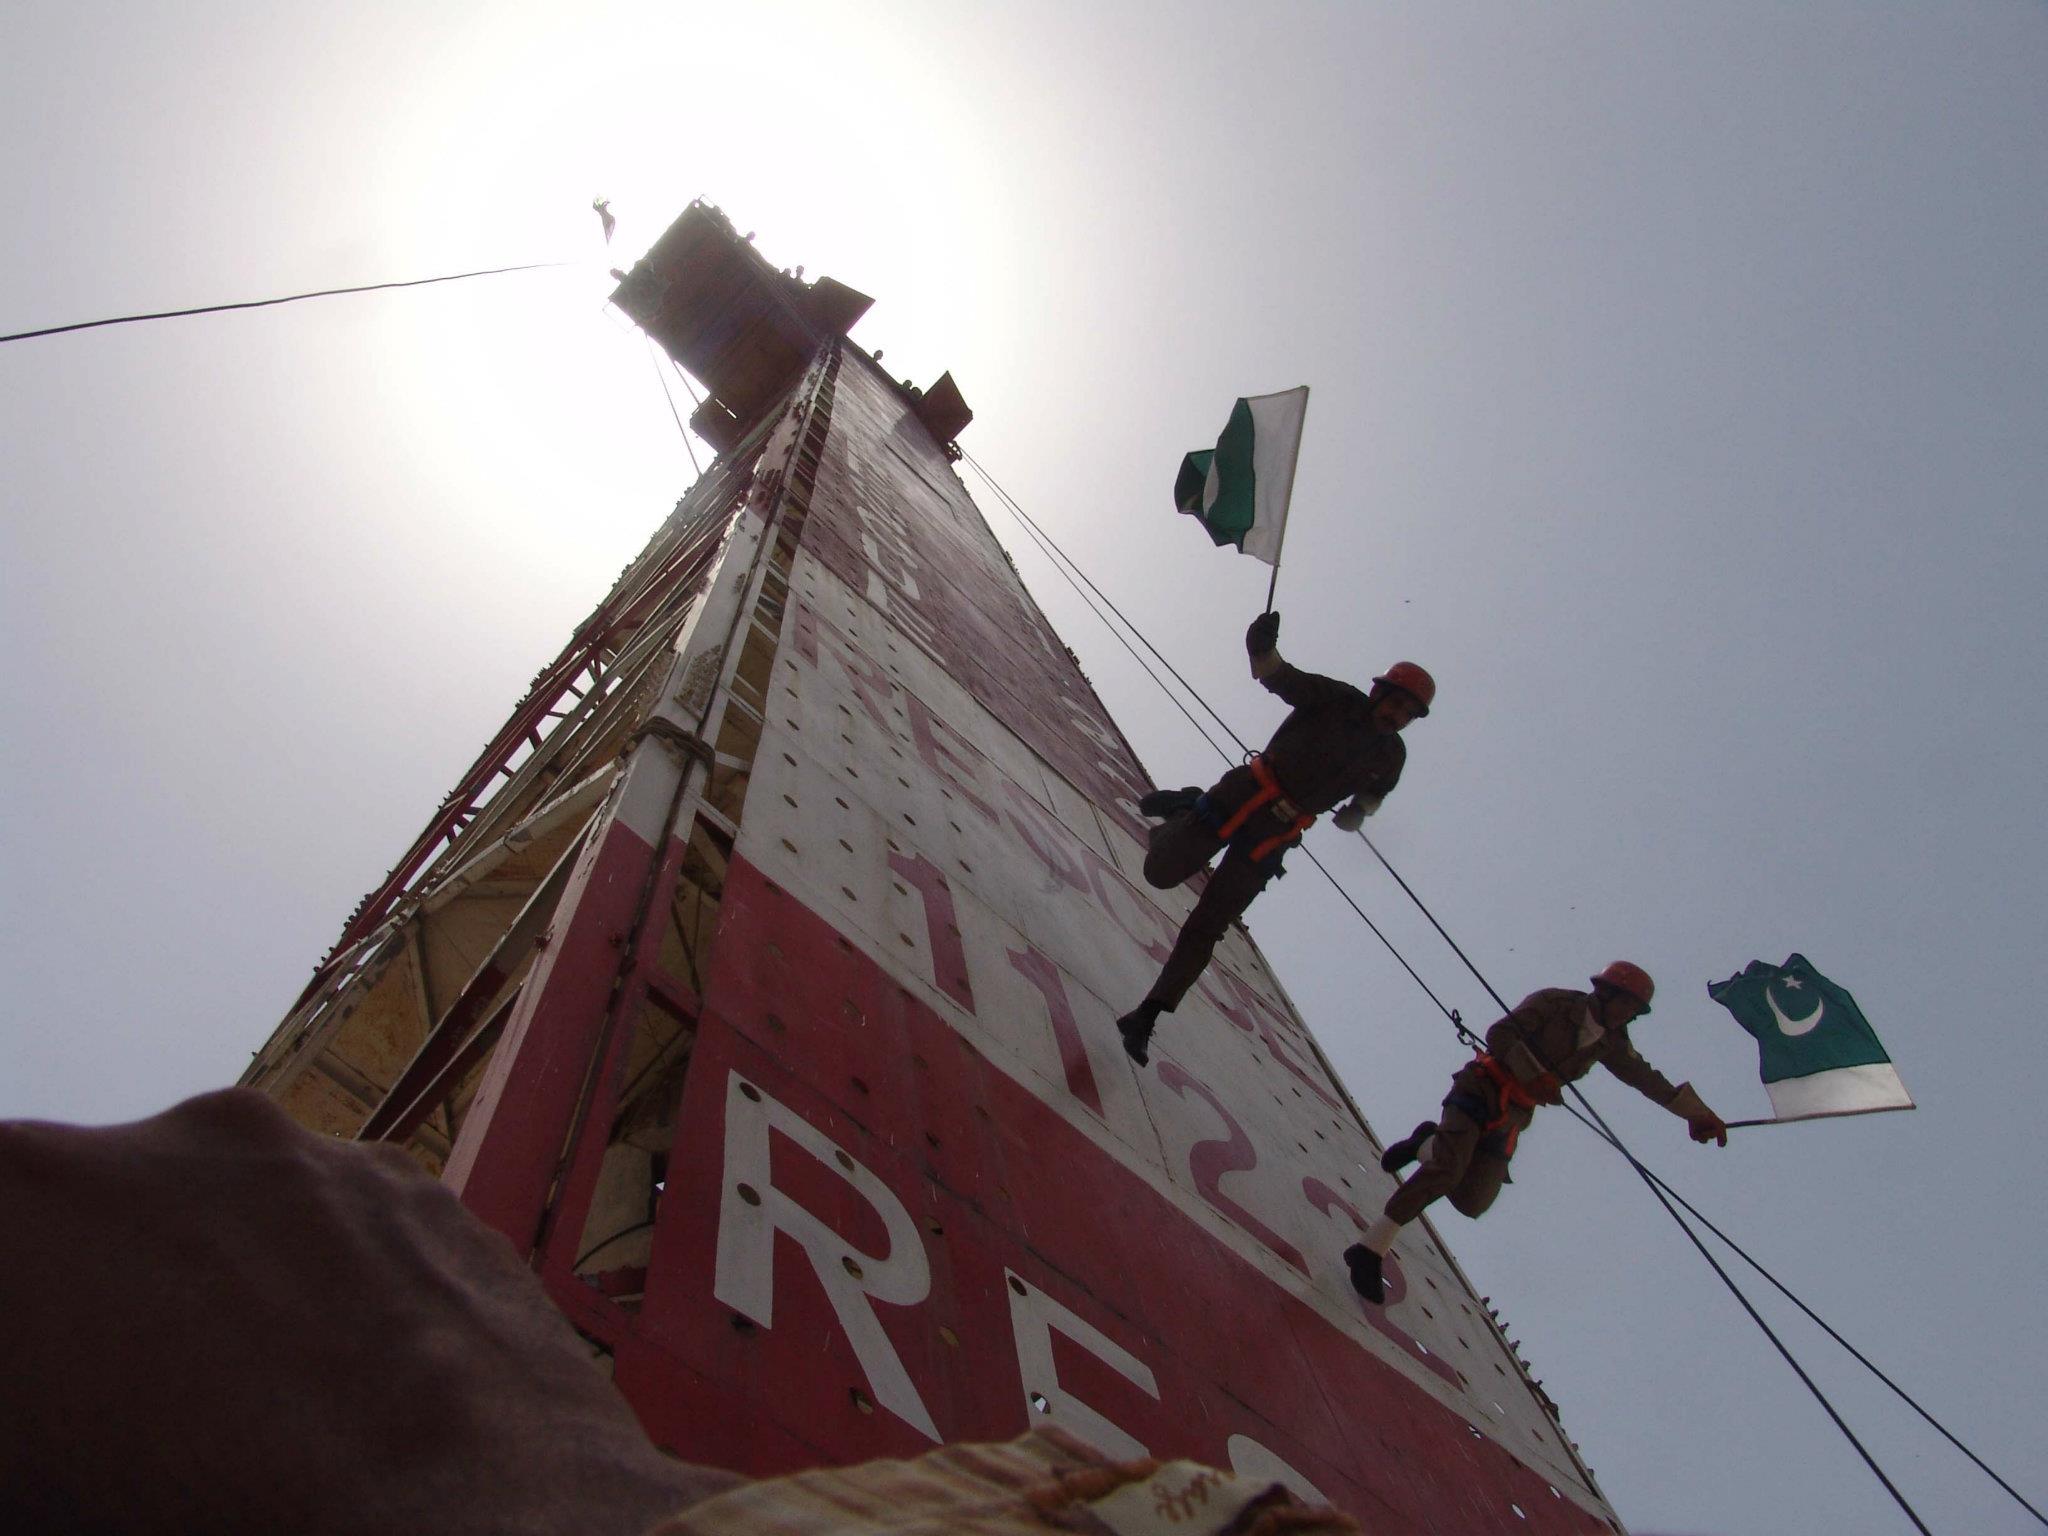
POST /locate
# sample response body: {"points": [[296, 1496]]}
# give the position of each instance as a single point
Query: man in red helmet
{"points": [[1553, 1037], [1337, 745]]}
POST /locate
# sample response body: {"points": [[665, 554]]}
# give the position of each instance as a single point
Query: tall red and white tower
{"points": [[758, 982]]}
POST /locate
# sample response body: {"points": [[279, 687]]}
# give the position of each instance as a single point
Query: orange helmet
{"points": [[1632, 979], [1411, 680]]}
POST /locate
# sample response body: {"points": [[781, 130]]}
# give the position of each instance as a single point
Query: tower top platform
{"points": [[747, 330]]}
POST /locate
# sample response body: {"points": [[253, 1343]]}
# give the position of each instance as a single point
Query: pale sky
{"points": [[1679, 377]]}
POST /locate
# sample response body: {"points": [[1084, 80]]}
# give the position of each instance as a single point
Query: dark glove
{"points": [[1703, 1124], [1264, 634], [1708, 1127]]}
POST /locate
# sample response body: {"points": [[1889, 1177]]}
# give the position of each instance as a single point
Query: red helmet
{"points": [[1632, 979], [1411, 680]]}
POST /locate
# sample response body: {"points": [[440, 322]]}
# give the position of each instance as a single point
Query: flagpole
{"points": [[1826, 1114], [1293, 464]]}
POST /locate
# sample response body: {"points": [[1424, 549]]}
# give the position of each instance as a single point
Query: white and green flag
{"points": [[1239, 489], [1818, 1053]]}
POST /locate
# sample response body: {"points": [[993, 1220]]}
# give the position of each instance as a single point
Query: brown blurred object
{"points": [[217, 1321]]}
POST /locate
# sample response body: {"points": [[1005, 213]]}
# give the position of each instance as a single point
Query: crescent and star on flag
{"points": [[1794, 1027], [1822, 1061]]}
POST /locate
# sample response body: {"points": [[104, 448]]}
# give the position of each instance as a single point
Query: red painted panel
{"points": [[504, 1161], [722, 1426], [1114, 1261], [801, 1371]]}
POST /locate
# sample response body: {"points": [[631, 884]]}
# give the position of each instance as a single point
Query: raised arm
{"points": [[1298, 689]]}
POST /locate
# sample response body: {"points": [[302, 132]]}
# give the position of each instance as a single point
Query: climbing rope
{"points": [[654, 356], [1059, 560], [1585, 1113], [695, 398], [1047, 547], [290, 298]]}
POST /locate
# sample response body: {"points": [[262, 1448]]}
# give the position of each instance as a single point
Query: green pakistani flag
{"points": [[1818, 1053], [1239, 489]]}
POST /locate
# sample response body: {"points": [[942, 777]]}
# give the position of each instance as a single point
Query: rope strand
{"points": [[1047, 547], [1586, 1114], [1060, 560], [669, 395], [290, 298], [1032, 523]]}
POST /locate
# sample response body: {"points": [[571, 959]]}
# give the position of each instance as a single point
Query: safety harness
{"points": [[1267, 794], [1512, 1094]]}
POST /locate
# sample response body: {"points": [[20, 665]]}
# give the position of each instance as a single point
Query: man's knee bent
{"points": [[1472, 1202], [1173, 855], [1475, 1193]]}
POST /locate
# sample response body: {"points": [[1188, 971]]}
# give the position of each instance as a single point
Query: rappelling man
{"points": [[1338, 745], [1553, 1037]]}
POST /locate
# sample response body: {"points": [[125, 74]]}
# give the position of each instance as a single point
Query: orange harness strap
{"points": [[1267, 792], [1513, 1094]]}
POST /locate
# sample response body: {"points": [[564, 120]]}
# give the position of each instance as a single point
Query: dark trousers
{"points": [[1180, 847]]}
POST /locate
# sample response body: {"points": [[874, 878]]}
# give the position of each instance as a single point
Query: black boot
{"points": [[1162, 803], [1136, 1028], [1403, 1152], [1365, 1273]]}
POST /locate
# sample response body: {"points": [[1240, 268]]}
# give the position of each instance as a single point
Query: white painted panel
{"points": [[870, 751]]}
